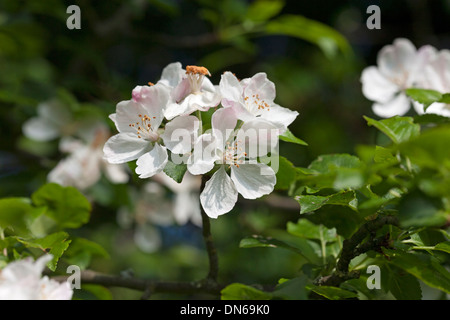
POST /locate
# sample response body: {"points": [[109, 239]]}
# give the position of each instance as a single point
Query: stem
{"points": [[207, 238], [353, 247]]}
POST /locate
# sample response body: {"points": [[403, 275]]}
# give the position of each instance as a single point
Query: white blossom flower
{"points": [[138, 123], [85, 163], [436, 76], [254, 98], [53, 121], [223, 147], [192, 92], [22, 280], [399, 67]]}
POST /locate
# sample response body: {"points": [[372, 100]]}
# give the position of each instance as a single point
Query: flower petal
{"points": [[179, 134], [124, 147], [376, 87], [253, 180], [172, 74], [260, 86], [230, 88], [223, 123], [257, 138], [41, 129], [398, 106], [152, 162], [219, 195], [281, 117], [396, 59], [204, 155]]}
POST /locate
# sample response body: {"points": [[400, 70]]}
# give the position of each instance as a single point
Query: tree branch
{"points": [[353, 247], [147, 286]]}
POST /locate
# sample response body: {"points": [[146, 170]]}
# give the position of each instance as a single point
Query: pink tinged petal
{"points": [[181, 91], [179, 134], [376, 87], [125, 147], [204, 156], [152, 162], [253, 181], [172, 74], [223, 123], [231, 89], [261, 87], [129, 115], [219, 195], [398, 106], [279, 116]]}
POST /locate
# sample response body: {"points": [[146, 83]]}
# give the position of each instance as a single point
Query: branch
{"points": [[352, 248], [147, 286]]}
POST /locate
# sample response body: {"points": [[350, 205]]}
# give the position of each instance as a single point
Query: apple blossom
{"points": [[254, 98], [53, 121], [225, 147], [85, 163], [399, 67], [138, 138], [192, 92], [22, 280], [436, 77]]}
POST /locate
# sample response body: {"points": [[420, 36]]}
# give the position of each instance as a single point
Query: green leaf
{"points": [[384, 155], [262, 10], [334, 293], [325, 37], [65, 205], [81, 252], [310, 203], [264, 242], [239, 291], [424, 96], [403, 285], [292, 289], [175, 171], [308, 230], [286, 174], [430, 149], [13, 215], [100, 292], [288, 136], [418, 210], [398, 129], [422, 266], [55, 244], [337, 171]]}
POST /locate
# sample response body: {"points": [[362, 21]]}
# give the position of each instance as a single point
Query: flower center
{"points": [[233, 155], [144, 128], [255, 104], [195, 77]]}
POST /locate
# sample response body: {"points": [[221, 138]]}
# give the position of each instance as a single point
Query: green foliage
{"points": [[40, 222]]}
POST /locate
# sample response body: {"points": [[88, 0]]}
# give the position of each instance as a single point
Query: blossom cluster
{"points": [[23, 280], [168, 120], [81, 139], [401, 66]]}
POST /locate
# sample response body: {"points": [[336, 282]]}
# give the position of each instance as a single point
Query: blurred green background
{"points": [[122, 44]]}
